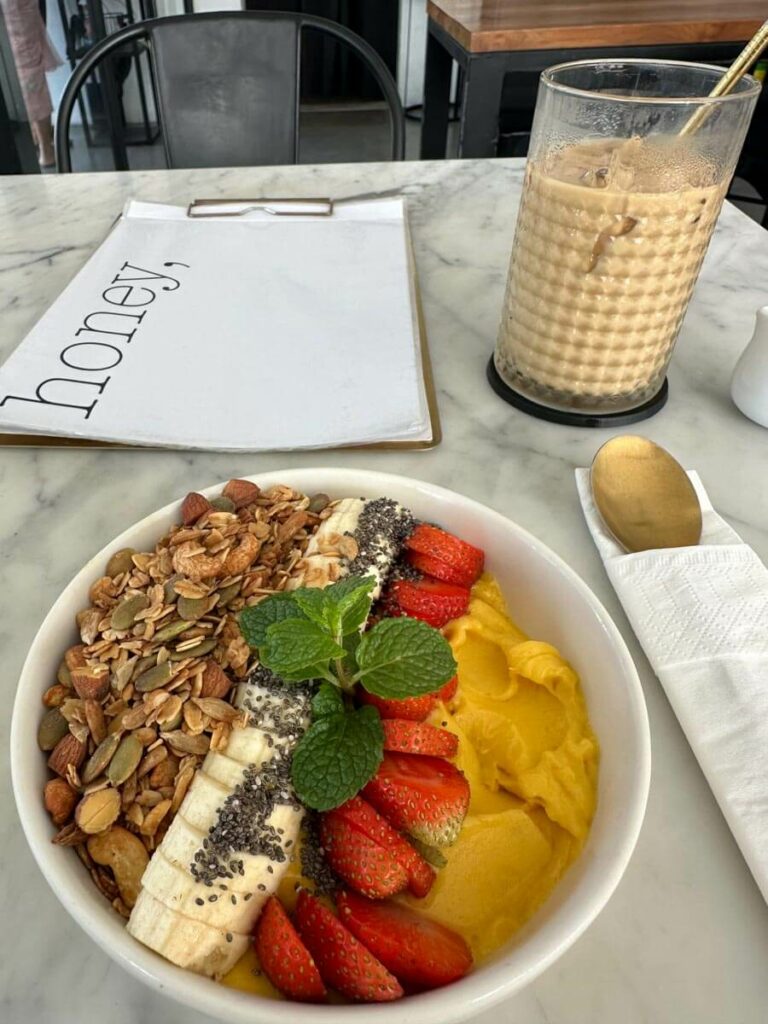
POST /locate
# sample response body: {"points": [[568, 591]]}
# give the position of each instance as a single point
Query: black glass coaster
{"points": [[576, 419]]}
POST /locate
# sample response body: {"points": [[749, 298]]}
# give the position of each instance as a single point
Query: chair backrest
{"points": [[227, 85]]}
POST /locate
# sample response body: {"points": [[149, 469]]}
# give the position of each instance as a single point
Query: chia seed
{"points": [[242, 824], [381, 529], [313, 863]]}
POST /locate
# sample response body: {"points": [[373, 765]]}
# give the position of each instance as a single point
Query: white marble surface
{"points": [[685, 938]]}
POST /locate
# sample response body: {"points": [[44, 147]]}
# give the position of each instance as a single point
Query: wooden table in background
{"points": [[493, 38]]}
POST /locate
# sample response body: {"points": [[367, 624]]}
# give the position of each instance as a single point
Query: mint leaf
{"points": [[255, 621], [353, 599], [341, 608], [404, 658], [318, 606], [327, 701], [297, 649], [336, 757]]}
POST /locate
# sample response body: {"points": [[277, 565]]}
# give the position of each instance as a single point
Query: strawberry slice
{"points": [[430, 600], [365, 819], [344, 963], [420, 952], [415, 709], [359, 860], [444, 556], [448, 692], [425, 796], [284, 958], [418, 738]]}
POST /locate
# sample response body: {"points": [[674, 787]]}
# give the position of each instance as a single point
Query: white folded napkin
{"points": [[701, 615]]}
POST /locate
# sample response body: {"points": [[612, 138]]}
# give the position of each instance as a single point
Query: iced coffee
{"points": [[610, 238]]}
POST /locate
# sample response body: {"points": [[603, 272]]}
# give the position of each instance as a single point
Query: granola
{"points": [[136, 706]]}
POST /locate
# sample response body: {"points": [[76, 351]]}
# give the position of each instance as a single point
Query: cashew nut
{"points": [[126, 855], [193, 563], [243, 556]]}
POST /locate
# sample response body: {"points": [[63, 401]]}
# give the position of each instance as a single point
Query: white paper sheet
{"points": [[247, 333]]}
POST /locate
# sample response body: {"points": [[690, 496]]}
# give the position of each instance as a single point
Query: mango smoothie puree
{"points": [[531, 759]]}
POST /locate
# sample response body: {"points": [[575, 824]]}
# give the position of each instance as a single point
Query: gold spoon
{"points": [[644, 495], [748, 56]]}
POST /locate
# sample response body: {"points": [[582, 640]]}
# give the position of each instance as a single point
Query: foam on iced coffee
{"points": [[610, 238]]}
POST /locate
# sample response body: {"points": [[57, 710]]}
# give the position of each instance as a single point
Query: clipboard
{"points": [[200, 209]]}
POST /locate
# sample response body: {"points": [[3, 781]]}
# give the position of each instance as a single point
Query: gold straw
{"points": [[748, 55]]}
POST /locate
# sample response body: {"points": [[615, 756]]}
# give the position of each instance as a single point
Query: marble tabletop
{"points": [[685, 937]]}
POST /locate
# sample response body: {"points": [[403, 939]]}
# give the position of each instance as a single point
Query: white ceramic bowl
{"points": [[548, 600]]}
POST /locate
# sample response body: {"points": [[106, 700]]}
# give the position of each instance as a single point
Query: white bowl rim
{"points": [[479, 990]]}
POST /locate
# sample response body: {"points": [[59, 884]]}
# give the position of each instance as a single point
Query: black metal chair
{"points": [[227, 85]]}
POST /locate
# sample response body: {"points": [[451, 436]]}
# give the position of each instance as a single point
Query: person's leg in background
{"points": [[33, 55]]}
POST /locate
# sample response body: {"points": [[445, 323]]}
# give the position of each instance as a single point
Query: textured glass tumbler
{"points": [[618, 207]]}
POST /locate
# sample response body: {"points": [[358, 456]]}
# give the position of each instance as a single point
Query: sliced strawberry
{"points": [[430, 600], [420, 952], [284, 958], [418, 738], [415, 709], [365, 865], [365, 819], [444, 556], [425, 796], [448, 692], [344, 963]]}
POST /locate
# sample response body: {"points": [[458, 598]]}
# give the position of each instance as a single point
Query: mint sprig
{"points": [[313, 633]]}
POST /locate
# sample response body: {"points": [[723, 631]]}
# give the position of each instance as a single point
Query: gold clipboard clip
{"points": [[198, 209]]}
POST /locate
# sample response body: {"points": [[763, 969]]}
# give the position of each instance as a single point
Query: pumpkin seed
{"points": [[53, 727], [124, 616], [204, 647], [153, 678], [192, 608], [175, 722], [100, 758], [171, 631], [318, 502], [169, 592], [223, 504], [120, 562], [63, 676], [226, 594], [125, 760], [142, 665]]}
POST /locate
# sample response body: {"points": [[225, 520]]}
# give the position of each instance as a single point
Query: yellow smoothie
{"points": [[531, 760]]}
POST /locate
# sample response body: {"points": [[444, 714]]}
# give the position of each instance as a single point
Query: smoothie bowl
{"points": [[330, 736]]}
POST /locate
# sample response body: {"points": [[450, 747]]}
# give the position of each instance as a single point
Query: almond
{"points": [[98, 810], [68, 751], [241, 492], [91, 682], [55, 695], [215, 682], [194, 506], [60, 800], [75, 657]]}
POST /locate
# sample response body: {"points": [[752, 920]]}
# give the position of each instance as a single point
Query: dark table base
{"points": [[576, 419], [484, 73]]}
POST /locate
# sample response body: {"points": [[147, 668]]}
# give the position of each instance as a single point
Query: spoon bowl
{"points": [[644, 495]]}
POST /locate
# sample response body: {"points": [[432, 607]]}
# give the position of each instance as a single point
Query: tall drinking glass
{"points": [[619, 203]]}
